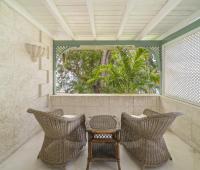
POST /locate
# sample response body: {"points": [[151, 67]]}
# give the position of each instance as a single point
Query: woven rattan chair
{"points": [[143, 137], [64, 137]]}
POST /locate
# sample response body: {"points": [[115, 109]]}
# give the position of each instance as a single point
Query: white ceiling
{"points": [[109, 19]]}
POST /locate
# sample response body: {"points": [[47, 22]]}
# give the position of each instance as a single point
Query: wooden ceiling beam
{"points": [[59, 18], [165, 10], [129, 6], [91, 16]]}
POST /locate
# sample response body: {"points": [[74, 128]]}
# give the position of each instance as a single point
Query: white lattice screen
{"points": [[181, 63]]}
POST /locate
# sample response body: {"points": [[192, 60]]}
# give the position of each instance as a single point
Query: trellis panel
{"points": [[61, 46], [182, 68]]}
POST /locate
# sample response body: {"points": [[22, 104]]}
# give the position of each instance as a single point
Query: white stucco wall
{"points": [[187, 126], [20, 80]]}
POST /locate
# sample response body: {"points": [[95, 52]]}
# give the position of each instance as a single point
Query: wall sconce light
{"points": [[35, 50]]}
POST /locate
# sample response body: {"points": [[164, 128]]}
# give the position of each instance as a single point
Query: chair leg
{"points": [[143, 167], [170, 157], [118, 164], [38, 157]]}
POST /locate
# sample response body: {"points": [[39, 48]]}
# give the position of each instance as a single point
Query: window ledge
{"points": [[64, 94]]}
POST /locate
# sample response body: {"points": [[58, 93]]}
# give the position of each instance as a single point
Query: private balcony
{"points": [[36, 37]]}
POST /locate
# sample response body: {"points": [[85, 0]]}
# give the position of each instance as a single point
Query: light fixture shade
{"points": [[35, 50]]}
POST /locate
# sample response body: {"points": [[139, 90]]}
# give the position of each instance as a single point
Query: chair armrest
{"points": [[56, 112], [63, 127], [77, 129], [130, 127], [75, 120]]}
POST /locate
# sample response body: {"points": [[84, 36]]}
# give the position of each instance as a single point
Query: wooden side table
{"points": [[103, 139]]}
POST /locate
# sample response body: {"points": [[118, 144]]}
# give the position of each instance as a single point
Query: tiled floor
{"points": [[184, 158]]}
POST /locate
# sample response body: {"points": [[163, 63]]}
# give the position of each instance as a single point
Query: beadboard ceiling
{"points": [[108, 19]]}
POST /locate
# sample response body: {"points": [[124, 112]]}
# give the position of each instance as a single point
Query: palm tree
{"points": [[128, 71]]}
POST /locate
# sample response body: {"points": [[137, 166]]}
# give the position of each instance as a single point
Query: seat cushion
{"points": [[139, 116], [70, 117]]}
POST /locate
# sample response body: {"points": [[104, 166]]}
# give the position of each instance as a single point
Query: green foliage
{"points": [[79, 64], [127, 71]]}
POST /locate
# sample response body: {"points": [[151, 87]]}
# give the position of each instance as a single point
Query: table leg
{"points": [[117, 155], [89, 152], [88, 164]]}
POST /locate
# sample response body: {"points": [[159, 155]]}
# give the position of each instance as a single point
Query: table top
{"points": [[105, 123]]}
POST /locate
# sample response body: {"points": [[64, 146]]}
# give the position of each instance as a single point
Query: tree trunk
{"points": [[104, 61], [105, 57]]}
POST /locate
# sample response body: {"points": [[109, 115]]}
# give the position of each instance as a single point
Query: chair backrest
{"points": [[52, 122], [153, 125]]}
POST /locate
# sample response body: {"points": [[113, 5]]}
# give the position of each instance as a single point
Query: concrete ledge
{"points": [[114, 104], [109, 95]]}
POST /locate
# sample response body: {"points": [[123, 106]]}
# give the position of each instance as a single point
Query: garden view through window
{"points": [[114, 69]]}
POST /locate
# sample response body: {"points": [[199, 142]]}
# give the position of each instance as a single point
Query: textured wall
{"points": [[104, 104], [21, 80], [187, 127]]}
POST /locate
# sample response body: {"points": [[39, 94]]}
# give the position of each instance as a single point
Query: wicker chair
{"points": [[143, 137], [64, 137]]}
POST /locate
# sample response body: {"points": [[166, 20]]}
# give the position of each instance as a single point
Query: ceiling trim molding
{"points": [[137, 43], [129, 6], [20, 9], [56, 14], [192, 18], [165, 10], [91, 16], [184, 30]]}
